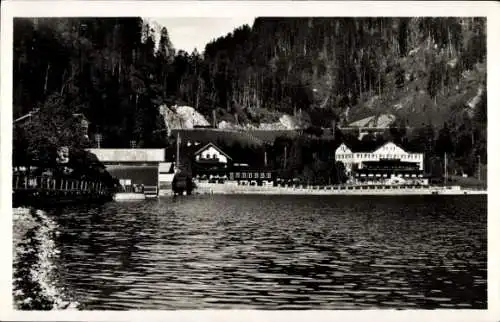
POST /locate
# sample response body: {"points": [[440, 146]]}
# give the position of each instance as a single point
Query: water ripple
{"points": [[279, 252]]}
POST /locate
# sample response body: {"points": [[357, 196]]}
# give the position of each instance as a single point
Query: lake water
{"points": [[276, 252]]}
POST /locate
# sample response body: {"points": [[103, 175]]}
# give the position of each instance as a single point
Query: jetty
{"points": [[40, 190]]}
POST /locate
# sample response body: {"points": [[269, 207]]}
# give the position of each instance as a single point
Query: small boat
{"points": [[182, 182]]}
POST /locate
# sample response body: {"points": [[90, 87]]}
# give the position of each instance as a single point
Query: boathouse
{"points": [[136, 169]]}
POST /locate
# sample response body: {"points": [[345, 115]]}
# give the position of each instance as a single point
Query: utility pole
{"points": [[479, 167], [284, 163], [98, 139], [445, 169], [178, 150]]}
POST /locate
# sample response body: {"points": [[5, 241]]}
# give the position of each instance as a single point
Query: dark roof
{"points": [[365, 146], [252, 169]]}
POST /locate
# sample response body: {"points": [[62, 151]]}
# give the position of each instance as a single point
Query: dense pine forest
{"points": [[428, 72]]}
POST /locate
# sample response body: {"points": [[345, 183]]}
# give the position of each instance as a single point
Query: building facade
{"points": [[354, 159], [211, 163], [210, 153], [253, 177], [136, 169], [388, 161], [389, 172]]}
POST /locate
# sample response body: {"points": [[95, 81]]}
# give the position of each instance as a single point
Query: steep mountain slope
{"points": [[353, 67]]}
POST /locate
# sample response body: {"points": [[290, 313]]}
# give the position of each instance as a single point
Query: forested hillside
{"points": [[429, 72]]}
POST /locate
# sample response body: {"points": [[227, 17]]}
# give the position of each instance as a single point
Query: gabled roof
{"points": [[398, 148], [370, 146], [363, 146], [215, 147]]}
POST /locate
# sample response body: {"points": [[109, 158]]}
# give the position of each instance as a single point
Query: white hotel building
{"points": [[356, 160]]}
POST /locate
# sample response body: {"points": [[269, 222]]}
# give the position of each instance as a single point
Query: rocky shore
{"points": [[35, 285]]}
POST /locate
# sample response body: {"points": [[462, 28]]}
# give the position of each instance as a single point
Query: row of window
{"points": [[250, 175], [385, 175], [378, 156], [207, 156]]}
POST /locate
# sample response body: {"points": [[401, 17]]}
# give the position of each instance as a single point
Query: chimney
{"points": [[334, 124], [214, 119]]}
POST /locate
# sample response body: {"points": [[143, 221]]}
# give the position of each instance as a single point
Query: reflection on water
{"points": [[277, 252]]}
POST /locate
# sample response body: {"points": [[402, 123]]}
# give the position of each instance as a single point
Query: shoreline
{"points": [[34, 284], [205, 188]]}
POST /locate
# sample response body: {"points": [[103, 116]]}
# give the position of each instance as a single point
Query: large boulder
{"points": [[182, 117]]}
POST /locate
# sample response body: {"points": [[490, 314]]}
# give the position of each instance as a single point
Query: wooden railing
{"points": [[37, 183]]}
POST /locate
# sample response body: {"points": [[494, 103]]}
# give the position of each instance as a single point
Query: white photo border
{"points": [[165, 9]]}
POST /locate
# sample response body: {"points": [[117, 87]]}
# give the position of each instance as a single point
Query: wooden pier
{"points": [[27, 190]]}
